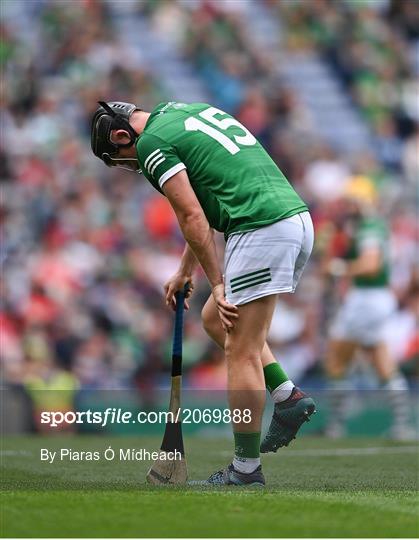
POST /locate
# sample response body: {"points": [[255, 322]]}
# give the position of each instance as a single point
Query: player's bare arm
{"points": [[367, 264], [199, 235], [183, 276]]}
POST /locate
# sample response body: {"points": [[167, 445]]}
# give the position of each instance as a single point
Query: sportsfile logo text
{"points": [[113, 415]]}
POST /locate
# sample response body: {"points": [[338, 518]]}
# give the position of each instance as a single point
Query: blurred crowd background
{"points": [[329, 87]]}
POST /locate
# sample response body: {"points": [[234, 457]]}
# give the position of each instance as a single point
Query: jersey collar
{"points": [[158, 110]]}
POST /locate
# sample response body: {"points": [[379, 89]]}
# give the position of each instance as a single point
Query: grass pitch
{"points": [[317, 487]]}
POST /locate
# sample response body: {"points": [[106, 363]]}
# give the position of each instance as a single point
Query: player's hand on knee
{"points": [[227, 312], [177, 283]]}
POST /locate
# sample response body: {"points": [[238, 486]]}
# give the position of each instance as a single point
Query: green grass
{"points": [[370, 492]]}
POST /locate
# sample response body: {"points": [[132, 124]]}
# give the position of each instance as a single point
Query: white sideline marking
{"points": [[369, 451], [8, 453]]}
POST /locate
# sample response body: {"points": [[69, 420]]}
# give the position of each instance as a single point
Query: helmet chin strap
{"points": [[116, 162]]}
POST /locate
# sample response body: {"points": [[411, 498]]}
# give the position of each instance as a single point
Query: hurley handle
{"points": [[178, 332]]}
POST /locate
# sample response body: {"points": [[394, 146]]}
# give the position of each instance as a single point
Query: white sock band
{"points": [[282, 392], [246, 465]]}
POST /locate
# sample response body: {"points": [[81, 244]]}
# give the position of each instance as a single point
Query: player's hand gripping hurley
{"points": [[173, 471]]}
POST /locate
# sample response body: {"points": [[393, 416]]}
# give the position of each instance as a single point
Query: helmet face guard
{"points": [[110, 116]]}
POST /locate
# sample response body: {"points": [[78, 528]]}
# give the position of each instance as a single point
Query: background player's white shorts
{"points": [[267, 261], [364, 315]]}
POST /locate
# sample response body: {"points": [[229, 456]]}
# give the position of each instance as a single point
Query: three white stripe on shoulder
{"points": [[154, 160]]}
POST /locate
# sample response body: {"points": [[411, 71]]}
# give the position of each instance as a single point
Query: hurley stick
{"points": [[173, 471]]}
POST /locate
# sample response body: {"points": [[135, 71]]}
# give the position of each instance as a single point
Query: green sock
{"points": [[274, 376], [246, 445]]}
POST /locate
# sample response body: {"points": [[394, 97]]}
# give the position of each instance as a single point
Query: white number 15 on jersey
{"points": [[194, 124]]}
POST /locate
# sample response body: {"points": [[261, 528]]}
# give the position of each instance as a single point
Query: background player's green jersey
{"points": [[371, 232], [238, 185]]}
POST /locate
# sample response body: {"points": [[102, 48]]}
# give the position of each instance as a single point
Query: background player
{"points": [[361, 321], [233, 186]]}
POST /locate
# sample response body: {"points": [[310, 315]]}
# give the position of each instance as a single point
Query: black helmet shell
{"points": [[109, 116]]}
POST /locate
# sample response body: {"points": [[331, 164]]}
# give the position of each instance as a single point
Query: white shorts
{"points": [[363, 316], [268, 260]]}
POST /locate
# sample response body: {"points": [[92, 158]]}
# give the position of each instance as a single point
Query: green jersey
{"points": [[371, 232], [238, 185]]}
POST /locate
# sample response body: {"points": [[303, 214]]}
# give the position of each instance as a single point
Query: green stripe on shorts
{"points": [[245, 276], [252, 284], [250, 279]]}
